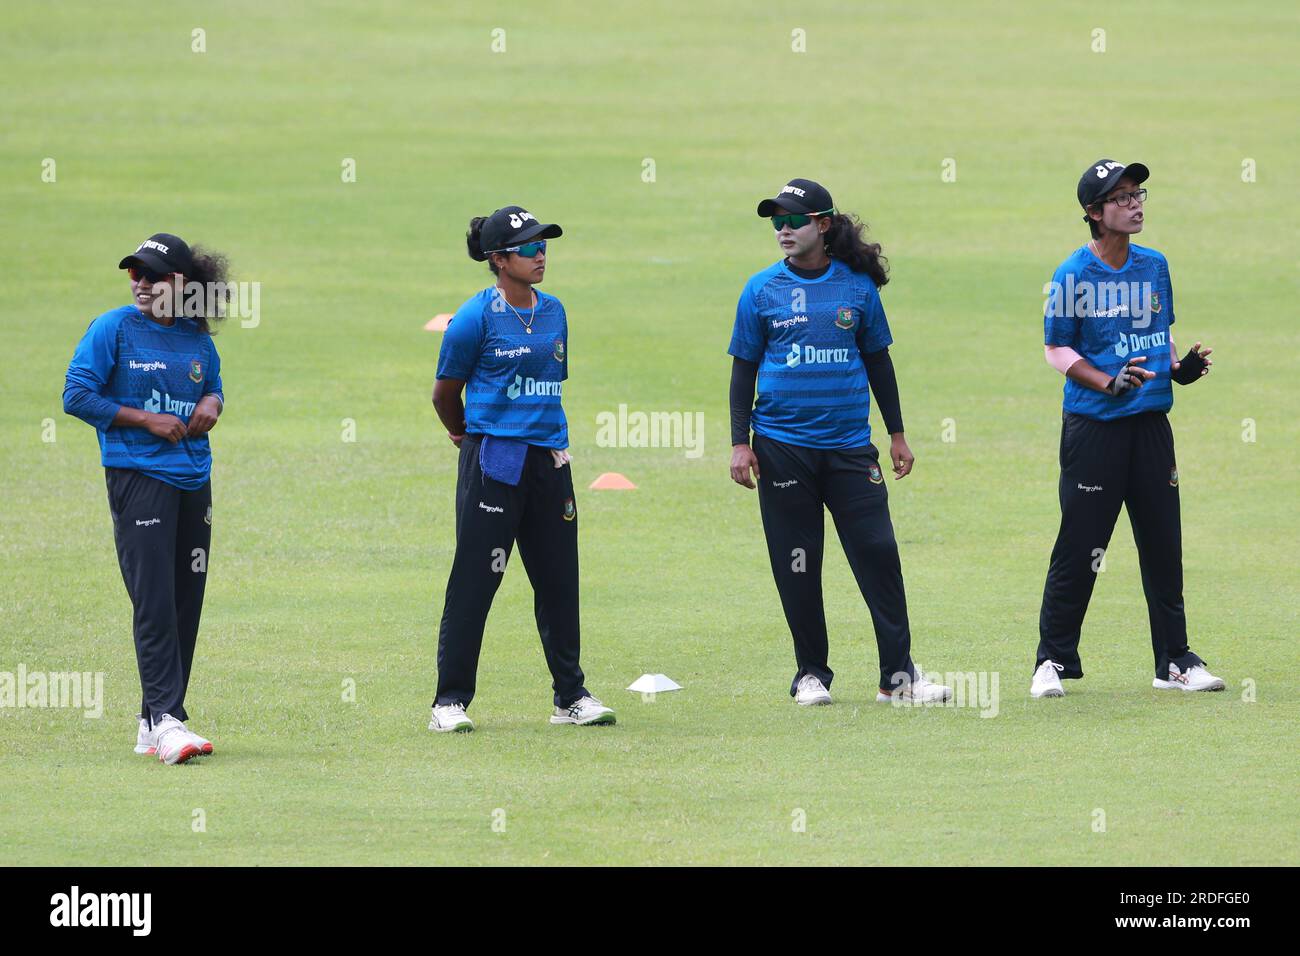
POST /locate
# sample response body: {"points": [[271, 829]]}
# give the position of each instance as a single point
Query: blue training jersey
{"points": [[126, 359], [808, 337], [1109, 316], [512, 377]]}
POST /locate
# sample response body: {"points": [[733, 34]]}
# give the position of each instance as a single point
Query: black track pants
{"points": [[163, 534], [540, 514], [796, 484], [1104, 464]]}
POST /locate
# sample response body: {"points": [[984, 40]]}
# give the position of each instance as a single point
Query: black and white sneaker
{"points": [[450, 719], [583, 712]]}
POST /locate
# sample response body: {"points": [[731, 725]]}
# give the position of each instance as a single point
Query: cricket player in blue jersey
{"points": [[148, 379], [811, 334], [507, 350], [1108, 324]]}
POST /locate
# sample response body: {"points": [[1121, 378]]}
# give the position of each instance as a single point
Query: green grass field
{"points": [[330, 557]]}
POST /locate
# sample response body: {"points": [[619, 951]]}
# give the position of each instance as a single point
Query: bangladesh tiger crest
{"points": [[559, 350], [844, 317], [1155, 303], [196, 371], [1173, 477], [570, 512], [873, 473]]}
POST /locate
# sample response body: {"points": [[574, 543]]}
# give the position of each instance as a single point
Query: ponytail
{"points": [[845, 241], [473, 240]]}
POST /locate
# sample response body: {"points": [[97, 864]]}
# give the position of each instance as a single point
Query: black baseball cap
{"points": [[513, 226], [1100, 178], [799, 195], [161, 252]]}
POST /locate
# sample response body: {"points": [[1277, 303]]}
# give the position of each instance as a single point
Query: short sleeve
{"points": [[1166, 289], [564, 337], [747, 338], [214, 380], [873, 331], [462, 342], [1060, 318]]}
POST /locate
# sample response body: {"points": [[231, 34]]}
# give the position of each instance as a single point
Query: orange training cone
{"points": [[611, 481]]}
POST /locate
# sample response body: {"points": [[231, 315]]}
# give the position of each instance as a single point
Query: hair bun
{"points": [[473, 239]]}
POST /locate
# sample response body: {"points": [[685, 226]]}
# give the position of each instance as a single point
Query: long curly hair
{"points": [[846, 240], [212, 269]]}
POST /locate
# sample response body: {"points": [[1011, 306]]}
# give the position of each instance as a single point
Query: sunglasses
{"points": [[528, 250], [138, 274], [795, 220]]}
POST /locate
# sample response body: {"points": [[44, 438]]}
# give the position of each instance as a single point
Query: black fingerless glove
{"points": [[1189, 369], [1126, 379]]}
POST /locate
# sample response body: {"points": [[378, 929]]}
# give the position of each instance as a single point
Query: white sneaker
{"points": [[172, 742], [583, 711], [1195, 677], [1047, 680], [811, 692], [146, 740], [450, 718], [919, 690]]}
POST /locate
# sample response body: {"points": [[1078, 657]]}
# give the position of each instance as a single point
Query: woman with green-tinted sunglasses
{"points": [[811, 334]]}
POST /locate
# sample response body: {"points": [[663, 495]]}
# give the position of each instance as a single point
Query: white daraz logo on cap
{"points": [[517, 219], [150, 244], [793, 189], [1104, 171]]}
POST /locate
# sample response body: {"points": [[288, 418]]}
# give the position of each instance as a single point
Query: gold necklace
{"points": [[528, 326]]}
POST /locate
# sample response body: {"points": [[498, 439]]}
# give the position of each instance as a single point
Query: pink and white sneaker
{"points": [[146, 740], [172, 742]]}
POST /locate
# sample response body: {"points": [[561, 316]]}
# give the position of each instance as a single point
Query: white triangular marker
{"points": [[653, 684]]}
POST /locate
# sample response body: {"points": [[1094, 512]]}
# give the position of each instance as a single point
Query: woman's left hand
{"points": [[204, 416], [902, 455]]}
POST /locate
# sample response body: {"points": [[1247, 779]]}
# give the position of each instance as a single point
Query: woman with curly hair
{"points": [[811, 333], [147, 377]]}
